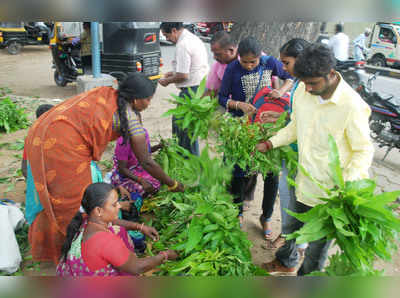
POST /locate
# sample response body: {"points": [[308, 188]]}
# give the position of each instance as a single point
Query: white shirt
{"points": [[190, 58], [339, 43], [359, 47]]}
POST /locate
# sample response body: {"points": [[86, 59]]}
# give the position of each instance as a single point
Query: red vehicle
{"points": [[207, 29]]}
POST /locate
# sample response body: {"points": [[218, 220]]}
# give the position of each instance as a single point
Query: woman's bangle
{"points": [[237, 105], [141, 227], [164, 254], [173, 187]]}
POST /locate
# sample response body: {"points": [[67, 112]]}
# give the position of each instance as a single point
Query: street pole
{"points": [[94, 28]]}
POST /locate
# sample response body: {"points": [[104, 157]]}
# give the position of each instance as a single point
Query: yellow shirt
{"points": [[345, 116]]}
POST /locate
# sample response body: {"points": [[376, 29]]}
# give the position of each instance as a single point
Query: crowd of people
{"points": [[74, 216]]}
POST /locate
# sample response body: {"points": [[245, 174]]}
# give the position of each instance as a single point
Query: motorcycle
{"points": [[348, 70], [66, 61], [385, 117]]}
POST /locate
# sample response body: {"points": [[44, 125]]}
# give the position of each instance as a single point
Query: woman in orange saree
{"points": [[61, 145]]}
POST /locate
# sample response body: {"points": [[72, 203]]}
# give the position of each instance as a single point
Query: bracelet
{"points": [[268, 144], [164, 254], [173, 187], [141, 227], [237, 105]]}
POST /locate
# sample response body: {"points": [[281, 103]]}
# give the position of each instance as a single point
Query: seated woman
{"points": [[128, 172], [94, 247]]}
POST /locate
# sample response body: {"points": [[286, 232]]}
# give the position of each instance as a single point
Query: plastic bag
{"points": [[11, 218]]}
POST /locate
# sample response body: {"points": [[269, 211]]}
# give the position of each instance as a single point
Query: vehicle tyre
{"points": [[378, 61], [59, 79], [14, 48], [352, 78]]}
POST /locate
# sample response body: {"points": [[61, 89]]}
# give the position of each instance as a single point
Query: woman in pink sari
{"points": [[128, 172], [98, 245]]}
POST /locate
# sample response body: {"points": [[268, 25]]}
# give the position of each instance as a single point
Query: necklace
{"points": [[99, 225]]}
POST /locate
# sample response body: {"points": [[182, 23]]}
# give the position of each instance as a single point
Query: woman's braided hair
{"points": [[135, 86], [95, 195]]}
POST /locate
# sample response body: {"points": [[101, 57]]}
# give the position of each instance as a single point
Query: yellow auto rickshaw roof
{"points": [[12, 26], [4, 29]]}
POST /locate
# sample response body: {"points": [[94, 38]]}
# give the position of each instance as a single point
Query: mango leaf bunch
{"points": [[202, 223], [194, 113], [363, 224], [237, 140]]}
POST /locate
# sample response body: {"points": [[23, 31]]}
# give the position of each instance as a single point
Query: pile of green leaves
{"points": [[237, 140], [194, 113], [363, 224], [201, 223], [12, 118]]}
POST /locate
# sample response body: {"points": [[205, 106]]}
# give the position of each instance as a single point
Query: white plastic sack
{"points": [[16, 217], [10, 257]]}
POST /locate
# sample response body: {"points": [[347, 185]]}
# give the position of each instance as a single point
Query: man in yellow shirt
{"points": [[324, 104]]}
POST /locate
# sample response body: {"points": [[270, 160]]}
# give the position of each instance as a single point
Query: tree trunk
{"points": [[273, 35]]}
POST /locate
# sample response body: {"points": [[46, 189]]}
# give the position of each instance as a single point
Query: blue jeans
{"points": [[183, 138], [316, 252], [286, 194]]}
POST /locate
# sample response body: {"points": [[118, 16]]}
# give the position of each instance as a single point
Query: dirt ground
{"points": [[29, 75]]}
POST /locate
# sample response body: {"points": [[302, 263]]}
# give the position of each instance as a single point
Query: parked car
{"points": [[207, 29]]}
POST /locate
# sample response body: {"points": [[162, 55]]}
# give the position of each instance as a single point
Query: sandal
{"points": [[267, 232], [278, 242]]}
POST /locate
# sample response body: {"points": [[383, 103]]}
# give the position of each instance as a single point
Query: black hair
{"points": [[86, 25], [249, 45], [135, 86], [339, 28], [317, 60], [95, 195], [43, 109], [168, 26], [223, 38], [294, 47]]}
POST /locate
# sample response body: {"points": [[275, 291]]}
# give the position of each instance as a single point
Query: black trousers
{"points": [[241, 187], [183, 138]]}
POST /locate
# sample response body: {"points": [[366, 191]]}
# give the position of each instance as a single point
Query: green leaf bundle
{"points": [[194, 113], [362, 223], [12, 118], [237, 140], [201, 223]]}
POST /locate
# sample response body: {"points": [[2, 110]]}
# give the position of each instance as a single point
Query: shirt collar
{"points": [[337, 94], [184, 31]]}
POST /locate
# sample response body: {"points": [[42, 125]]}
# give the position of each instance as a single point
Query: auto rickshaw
{"points": [[15, 35], [126, 47]]}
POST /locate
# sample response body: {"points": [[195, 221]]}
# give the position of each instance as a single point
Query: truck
{"points": [[383, 44]]}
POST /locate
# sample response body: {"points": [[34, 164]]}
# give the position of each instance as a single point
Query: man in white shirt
{"points": [[190, 66], [339, 43], [359, 45]]}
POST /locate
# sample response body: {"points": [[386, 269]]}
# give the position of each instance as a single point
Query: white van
{"points": [[384, 47]]}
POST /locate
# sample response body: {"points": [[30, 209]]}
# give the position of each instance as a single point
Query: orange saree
{"points": [[60, 147]]}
